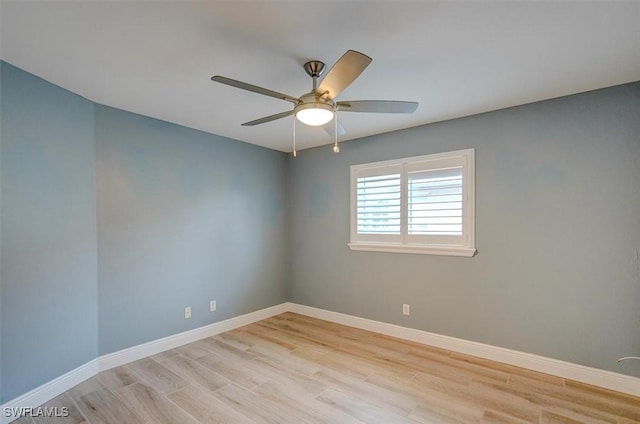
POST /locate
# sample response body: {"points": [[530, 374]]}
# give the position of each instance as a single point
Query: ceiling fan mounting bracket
{"points": [[314, 68]]}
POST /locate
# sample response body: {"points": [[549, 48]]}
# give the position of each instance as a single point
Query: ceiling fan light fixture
{"points": [[314, 114]]}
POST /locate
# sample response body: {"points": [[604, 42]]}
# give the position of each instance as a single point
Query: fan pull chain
{"points": [[336, 148], [294, 153]]}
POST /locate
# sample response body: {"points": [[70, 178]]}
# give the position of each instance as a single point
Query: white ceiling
{"points": [[455, 58]]}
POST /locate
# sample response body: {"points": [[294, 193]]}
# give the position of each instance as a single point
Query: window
{"points": [[423, 204]]}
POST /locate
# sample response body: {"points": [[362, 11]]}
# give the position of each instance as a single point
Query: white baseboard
{"points": [[47, 391], [596, 377], [42, 394], [121, 357], [56, 387]]}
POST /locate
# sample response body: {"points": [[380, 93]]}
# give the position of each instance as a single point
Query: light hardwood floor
{"points": [[295, 369]]}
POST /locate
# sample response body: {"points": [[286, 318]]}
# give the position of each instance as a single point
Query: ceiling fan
{"points": [[319, 106]]}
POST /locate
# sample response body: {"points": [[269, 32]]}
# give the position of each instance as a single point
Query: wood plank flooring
{"points": [[295, 369]]}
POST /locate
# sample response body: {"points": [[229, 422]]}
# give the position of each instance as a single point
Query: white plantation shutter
{"points": [[423, 204], [376, 211], [378, 204], [435, 202]]}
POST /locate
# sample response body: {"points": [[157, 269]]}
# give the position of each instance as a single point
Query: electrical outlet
{"points": [[187, 312], [212, 306], [406, 309]]}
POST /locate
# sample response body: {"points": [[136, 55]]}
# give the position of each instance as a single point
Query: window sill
{"points": [[424, 249]]}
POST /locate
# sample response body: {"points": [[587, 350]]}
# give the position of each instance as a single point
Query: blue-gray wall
{"points": [[1, 68], [113, 222], [1, 119], [557, 232], [184, 217], [48, 247]]}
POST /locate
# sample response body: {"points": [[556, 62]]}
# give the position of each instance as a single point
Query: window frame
{"points": [[463, 245]]}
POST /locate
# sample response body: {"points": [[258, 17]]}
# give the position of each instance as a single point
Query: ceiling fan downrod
{"points": [[314, 69]]}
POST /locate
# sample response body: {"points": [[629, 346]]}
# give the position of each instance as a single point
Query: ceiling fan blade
{"points": [[377, 106], [344, 72], [330, 126], [268, 118], [254, 88]]}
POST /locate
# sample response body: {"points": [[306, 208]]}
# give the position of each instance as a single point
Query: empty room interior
{"points": [[319, 212]]}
